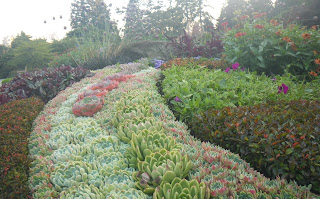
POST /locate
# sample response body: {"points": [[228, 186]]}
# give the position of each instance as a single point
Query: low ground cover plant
{"points": [[269, 47], [15, 126], [45, 84]]}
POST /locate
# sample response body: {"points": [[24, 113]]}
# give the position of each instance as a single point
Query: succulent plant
{"points": [[181, 188], [126, 129], [104, 144], [68, 152], [71, 174], [127, 194], [146, 142], [138, 116], [110, 162], [88, 93], [107, 85], [160, 166], [88, 106], [82, 191]]}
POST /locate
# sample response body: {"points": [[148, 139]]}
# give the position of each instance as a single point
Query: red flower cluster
{"points": [[224, 24], [243, 17], [259, 15], [259, 26], [240, 34]]}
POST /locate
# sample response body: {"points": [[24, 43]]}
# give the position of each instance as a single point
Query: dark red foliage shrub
{"points": [[277, 138], [186, 46], [45, 84], [15, 126]]}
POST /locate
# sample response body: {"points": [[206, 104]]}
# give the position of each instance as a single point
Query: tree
{"points": [[31, 54], [231, 11]]}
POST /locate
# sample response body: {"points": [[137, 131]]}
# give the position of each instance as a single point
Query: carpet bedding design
{"points": [[88, 157]]}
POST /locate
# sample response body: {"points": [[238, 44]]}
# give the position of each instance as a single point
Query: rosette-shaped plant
{"points": [[126, 129], [82, 191], [127, 194], [71, 174], [104, 144], [118, 77], [111, 161], [88, 93], [88, 106], [137, 116], [181, 189], [146, 142], [161, 166], [105, 85], [70, 152]]}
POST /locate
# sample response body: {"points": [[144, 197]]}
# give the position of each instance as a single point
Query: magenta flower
{"points": [[283, 89], [177, 99], [274, 79], [227, 70], [243, 69], [235, 66]]}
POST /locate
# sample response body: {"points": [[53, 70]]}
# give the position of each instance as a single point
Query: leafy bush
{"points": [[195, 62], [70, 57], [44, 84], [269, 47], [283, 137], [190, 90], [207, 45], [15, 126]]}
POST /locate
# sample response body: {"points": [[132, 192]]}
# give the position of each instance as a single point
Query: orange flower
{"points": [[279, 33], [274, 22], [287, 39], [313, 73], [317, 61], [315, 52], [306, 36], [314, 27]]}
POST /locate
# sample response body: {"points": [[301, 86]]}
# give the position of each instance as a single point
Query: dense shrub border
{"points": [[283, 137], [15, 126]]}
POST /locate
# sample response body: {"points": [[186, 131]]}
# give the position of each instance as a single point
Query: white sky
{"points": [[29, 15]]}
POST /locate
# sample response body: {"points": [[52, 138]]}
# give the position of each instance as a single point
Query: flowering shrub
{"points": [[266, 46], [15, 126]]}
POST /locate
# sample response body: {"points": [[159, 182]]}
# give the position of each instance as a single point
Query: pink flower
{"points": [[259, 26], [177, 99], [235, 66], [283, 89], [224, 24], [227, 70]]}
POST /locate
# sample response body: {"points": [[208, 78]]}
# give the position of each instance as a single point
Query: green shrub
{"points": [[268, 47], [190, 90], [6, 80], [15, 126], [283, 137]]}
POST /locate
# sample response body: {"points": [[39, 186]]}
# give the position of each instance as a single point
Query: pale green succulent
{"points": [[82, 191], [146, 142], [104, 144], [182, 189], [161, 166], [70, 174], [110, 162], [127, 194], [126, 129], [73, 152]]}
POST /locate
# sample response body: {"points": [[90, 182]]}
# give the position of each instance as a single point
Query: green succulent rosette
{"points": [[161, 166], [146, 142], [125, 130], [182, 189]]}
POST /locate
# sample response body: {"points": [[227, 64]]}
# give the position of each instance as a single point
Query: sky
{"points": [[29, 16]]}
